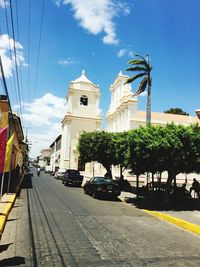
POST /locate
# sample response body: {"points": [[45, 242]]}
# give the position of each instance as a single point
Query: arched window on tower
{"points": [[84, 100]]}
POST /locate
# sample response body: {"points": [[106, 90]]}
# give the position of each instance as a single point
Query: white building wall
{"points": [[79, 118]]}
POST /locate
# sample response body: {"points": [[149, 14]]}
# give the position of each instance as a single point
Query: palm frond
{"points": [[137, 68], [131, 79], [141, 57], [142, 86], [138, 62]]}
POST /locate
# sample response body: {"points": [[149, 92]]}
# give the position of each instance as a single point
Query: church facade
{"points": [[82, 114]]}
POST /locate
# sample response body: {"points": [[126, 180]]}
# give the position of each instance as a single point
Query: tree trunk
{"points": [[137, 184], [148, 114], [170, 178], [109, 172], [121, 171]]}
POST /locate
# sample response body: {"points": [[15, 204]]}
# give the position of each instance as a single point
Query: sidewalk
{"points": [[188, 219], [6, 203]]}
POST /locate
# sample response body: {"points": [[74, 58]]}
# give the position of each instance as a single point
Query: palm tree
{"points": [[142, 66]]}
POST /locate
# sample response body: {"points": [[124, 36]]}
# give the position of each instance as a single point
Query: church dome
{"points": [[82, 79]]}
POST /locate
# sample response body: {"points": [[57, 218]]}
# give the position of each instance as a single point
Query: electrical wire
{"points": [[6, 92], [29, 38], [38, 53], [15, 57], [20, 69], [10, 53]]}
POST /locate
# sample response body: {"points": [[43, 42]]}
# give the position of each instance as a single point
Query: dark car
{"points": [[72, 177], [101, 187]]}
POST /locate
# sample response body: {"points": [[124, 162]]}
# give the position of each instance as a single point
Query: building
{"points": [[124, 115], [82, 114], [19, 153], [44, 157], [55, 153]]}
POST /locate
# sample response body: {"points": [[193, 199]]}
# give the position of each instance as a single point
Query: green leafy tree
{"points": [[179, 152], [174, 148], [120, 141], [178, 111], [142, 67], [191, 149], [98, 146], [145, 148]]}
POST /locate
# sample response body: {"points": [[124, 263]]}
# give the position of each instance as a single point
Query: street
{"points": [[54, 225]]}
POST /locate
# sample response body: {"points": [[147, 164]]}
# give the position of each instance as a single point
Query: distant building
{"points": [[55, 153], [44, 158]]}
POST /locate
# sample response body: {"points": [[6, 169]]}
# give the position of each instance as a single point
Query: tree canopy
{"points": [[172, 148], [178, 111]]}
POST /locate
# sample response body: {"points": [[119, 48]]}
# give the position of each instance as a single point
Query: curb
{"points": [[6, 211], [194, 228], [9, 204], [173, 220]]}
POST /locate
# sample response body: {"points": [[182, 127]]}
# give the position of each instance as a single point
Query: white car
{"points": [[60, 173]]}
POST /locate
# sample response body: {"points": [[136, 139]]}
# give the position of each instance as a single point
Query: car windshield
{"points": [[102, 180]]}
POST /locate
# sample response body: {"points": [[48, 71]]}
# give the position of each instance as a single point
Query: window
{"points": [[84, 100]]}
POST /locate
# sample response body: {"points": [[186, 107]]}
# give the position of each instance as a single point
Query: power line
{"points": [[29, 34], [20, 69], [10, 51], [15, 56], [6, 92], [38, 54]]}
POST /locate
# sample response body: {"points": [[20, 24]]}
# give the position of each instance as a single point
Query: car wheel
{"points": [[94, 194]]}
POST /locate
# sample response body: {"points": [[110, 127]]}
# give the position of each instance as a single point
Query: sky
{"points": [[56, 39]]}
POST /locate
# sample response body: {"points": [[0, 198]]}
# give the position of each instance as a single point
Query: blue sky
{"points": [[101, 36]]}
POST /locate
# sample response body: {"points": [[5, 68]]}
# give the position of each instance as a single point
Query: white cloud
{"points": [[43, 116], [68, 61], [96, 16], [3, 3], [7, 47], [125, 52]]}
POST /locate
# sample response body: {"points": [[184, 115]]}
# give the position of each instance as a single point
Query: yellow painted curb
{"points": [[5, 213], [179, 222], [2, 223]]}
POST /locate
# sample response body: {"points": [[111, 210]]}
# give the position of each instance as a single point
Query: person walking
{"points": [[196, 187]]}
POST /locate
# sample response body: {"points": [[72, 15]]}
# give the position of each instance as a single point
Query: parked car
{"points": [[48, 169], [72, 177], [59, 174], [101, 187]]}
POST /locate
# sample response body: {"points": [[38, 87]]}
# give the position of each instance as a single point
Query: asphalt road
{"points": [[54, 225]]}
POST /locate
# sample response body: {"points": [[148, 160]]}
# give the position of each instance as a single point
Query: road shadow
{"points": [[159, 205], [109, 198], [14, 261], [4, 247], [27, 181], [12, 220]]}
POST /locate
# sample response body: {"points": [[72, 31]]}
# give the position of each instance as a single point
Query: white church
{"points": [[83, 114]]}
